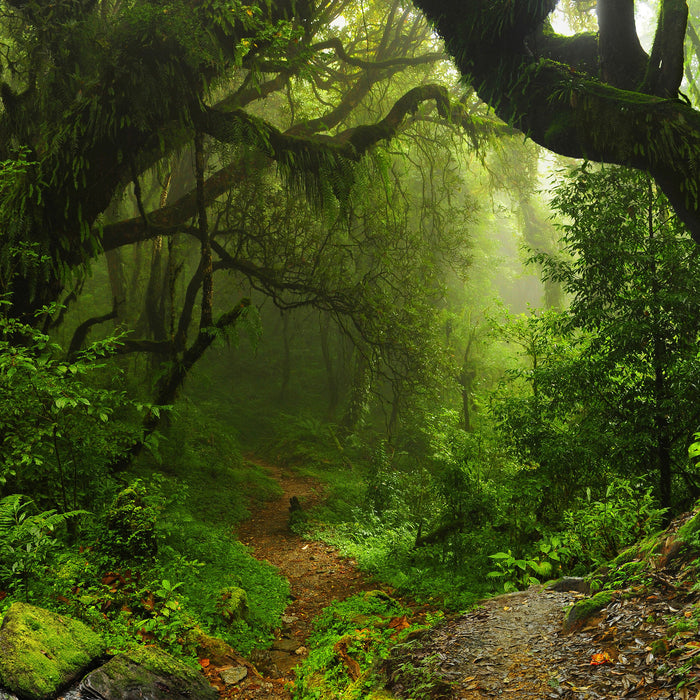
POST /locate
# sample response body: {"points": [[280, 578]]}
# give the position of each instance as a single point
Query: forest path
{"points": [[510, 646], [317, 574], [513, 646]]}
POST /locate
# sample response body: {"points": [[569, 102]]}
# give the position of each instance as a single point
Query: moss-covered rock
{"points": [[583, 610], [233, 604], [131, 525], [688, 532], [42, 652], [147, 672]]}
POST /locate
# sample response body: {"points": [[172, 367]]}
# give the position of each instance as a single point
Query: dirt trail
{"points": [[511, 646], [317, 575]]}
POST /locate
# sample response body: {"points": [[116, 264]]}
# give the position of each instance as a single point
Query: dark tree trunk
{"points": [[331, 377]]}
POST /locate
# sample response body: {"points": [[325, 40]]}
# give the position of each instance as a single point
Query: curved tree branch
{"points": [[566, 111], [313, 154]]}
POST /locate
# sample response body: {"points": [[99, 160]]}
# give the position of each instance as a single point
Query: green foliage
{"points": [[19, 191], [27, 544], [608, 385], [518, 574], [350, 638], [425, 527], [129, 532], [597, 530], [60, 429]]}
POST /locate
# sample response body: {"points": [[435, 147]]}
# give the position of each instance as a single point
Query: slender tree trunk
{"points": [[117, 282], [286, 356], [660, 360], [359, 393], [331, 377]]}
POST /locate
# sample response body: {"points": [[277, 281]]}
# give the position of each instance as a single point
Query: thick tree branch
{"points": [[313, 154], [623, 61], [81, 332], [400, 62], [566, 111]]}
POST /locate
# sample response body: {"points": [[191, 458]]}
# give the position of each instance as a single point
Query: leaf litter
{"points": [[643, 644]]}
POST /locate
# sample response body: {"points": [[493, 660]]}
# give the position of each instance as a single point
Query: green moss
{"points": [[689, 531], [625, 556], [154, 673], [233, 604], [584, 609], [41, 652], [157, 661]]}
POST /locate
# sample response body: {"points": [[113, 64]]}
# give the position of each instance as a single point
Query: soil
{"points": [[510, 646], [513, 646], [317, 574]]}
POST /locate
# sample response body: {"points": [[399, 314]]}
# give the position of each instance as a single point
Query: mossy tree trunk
{"points": [[599, 98]]}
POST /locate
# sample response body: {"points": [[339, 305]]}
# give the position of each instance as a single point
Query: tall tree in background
{"points": [[617, 392]]}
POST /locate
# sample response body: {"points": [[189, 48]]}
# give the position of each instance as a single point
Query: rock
{"points": [[571, 583], [288, 645], [233, 674], [214, 649], [146, 673], [233, 604], [585, 609], [42, 652]]}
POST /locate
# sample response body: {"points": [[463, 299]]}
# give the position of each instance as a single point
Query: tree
{"points": [[169, 129], [598, 96], [616, 392], [96, 95]]}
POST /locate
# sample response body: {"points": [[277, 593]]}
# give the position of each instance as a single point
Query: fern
{"points": [[26, 541]]}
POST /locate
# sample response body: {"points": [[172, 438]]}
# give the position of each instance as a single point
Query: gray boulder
{"points": [[146, 674]]}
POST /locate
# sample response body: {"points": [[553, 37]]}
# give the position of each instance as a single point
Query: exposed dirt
{"points": [[317, 575], [510, 646], [513, 646], [643, 643]]}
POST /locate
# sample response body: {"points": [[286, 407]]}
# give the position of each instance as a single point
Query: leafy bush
{"points": [[59, 431], [129, 532], [599, 529], [519, 573], [27, 543], [350, 637]]}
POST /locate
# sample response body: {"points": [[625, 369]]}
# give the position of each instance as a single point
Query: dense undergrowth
{"points": [[147, 555], [441, 517], [444, 530]]}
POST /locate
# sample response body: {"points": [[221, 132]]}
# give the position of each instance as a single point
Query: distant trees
{"points": [[613, 390]]}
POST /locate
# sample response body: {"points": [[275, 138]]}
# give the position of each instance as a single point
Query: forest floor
{"points": [[317, 575], [513, 646], [510, 646]]}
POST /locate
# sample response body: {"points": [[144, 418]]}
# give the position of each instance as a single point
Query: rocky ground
{"points": [[637, 638]]}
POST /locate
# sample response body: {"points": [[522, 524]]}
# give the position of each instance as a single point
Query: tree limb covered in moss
{"points": [[314, 155], [579, 114], [403, 61]]}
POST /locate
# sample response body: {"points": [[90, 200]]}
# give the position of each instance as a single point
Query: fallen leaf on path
{"points": [[598, 659]]}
